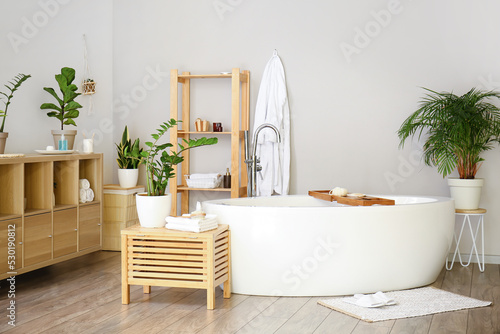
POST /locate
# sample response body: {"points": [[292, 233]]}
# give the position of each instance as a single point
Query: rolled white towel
{"points": [[90, 195], [84, 184], [83, 195]]}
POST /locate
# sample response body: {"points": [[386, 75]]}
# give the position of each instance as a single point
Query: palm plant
{"points": [[160, 162], [15, 84], [459, 129]]}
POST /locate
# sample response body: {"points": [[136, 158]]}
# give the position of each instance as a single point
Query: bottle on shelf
{"points": [[227, 179]]}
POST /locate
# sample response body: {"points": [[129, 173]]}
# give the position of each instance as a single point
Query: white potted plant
{"points": [[459, 129], [66, 109], [128, 160], [154, 205], [14, 85]]}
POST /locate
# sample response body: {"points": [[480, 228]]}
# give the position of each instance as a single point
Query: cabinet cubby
{"points": [[39, 196], [66, 184], [37, 187], [11, 191]]}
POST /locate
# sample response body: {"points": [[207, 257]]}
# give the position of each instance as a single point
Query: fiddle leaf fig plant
{"points": [[459, 129], [7, 97], [160, 159], [66, 109]]}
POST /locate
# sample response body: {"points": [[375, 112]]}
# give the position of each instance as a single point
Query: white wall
{"points": [[41, 37], [345, 110]]}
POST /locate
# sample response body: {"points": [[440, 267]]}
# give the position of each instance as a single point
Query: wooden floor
{"points": [[83, 296]]}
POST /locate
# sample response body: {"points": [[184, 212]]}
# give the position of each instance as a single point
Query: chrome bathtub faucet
{"points": [[253, 161]]}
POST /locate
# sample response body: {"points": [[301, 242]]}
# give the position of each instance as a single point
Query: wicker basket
{"points": [[204, 183]]}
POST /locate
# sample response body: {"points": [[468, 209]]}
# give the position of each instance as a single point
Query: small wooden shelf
{"points": [[31, 212], [181, 132], [6, 216], [184, 188], [58, 207], [180, 109], [89, 203]]}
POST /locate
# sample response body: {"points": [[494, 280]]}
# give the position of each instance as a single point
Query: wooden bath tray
{"points": [[363, 201]]}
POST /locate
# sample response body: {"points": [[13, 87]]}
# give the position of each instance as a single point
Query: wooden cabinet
{"points": [[65, 232], [240, 88], [37, 239], [90, 226], [39, 197]]}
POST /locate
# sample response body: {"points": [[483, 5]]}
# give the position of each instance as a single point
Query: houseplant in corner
{"points": [[66, 109], [154, 205], [459, 129], [14, 85], [128, 160]]}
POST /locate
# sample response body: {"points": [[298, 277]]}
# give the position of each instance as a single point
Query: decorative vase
{"points": [[69, 135], [3, 140], [152, 210], [128, 177], [466, 192]]}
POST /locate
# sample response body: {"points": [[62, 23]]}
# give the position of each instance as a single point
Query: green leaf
{"points": [[50, 106]]}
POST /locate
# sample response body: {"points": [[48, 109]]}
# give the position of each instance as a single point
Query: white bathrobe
{"points": [[272, 107]]}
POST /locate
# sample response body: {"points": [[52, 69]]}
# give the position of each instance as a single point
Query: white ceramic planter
{"points": [[152, 210], [466, 192], [128, 177]]}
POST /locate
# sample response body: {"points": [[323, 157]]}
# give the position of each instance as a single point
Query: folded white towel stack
{"points": [[86, 194], [192, 224]]}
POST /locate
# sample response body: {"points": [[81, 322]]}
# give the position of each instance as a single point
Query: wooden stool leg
{"points": [[227, 289], [227, 284], [210, 299], [125, 286], [146, 288]]}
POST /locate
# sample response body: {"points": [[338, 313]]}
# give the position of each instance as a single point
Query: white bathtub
{"points": [[301, 246]]}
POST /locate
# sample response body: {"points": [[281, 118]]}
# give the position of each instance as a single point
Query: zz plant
{"points": [[160, 160], [459, 129]]}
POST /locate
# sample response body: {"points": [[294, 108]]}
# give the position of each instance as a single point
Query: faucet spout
{"points": [[253, 161], [260, 128]]}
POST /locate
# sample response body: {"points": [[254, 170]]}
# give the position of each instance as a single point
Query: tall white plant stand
{"points": [[475, 226]]}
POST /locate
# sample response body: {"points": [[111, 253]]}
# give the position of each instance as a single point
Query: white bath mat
{"points": [[410, 303]]}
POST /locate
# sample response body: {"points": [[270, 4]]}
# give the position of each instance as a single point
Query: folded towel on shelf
{"points": [[188, 228], [204, 176], [84, 184], [192, 224], [192, 221]]}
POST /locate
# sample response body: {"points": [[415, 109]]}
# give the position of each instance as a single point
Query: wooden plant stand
{"points": [[163, 257]]}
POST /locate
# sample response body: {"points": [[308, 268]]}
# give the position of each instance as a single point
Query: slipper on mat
{"points": [[383, 298], [375, 300], [364, 301]]}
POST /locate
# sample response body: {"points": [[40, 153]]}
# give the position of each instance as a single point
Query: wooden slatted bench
{"points": [[170, 258]]}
